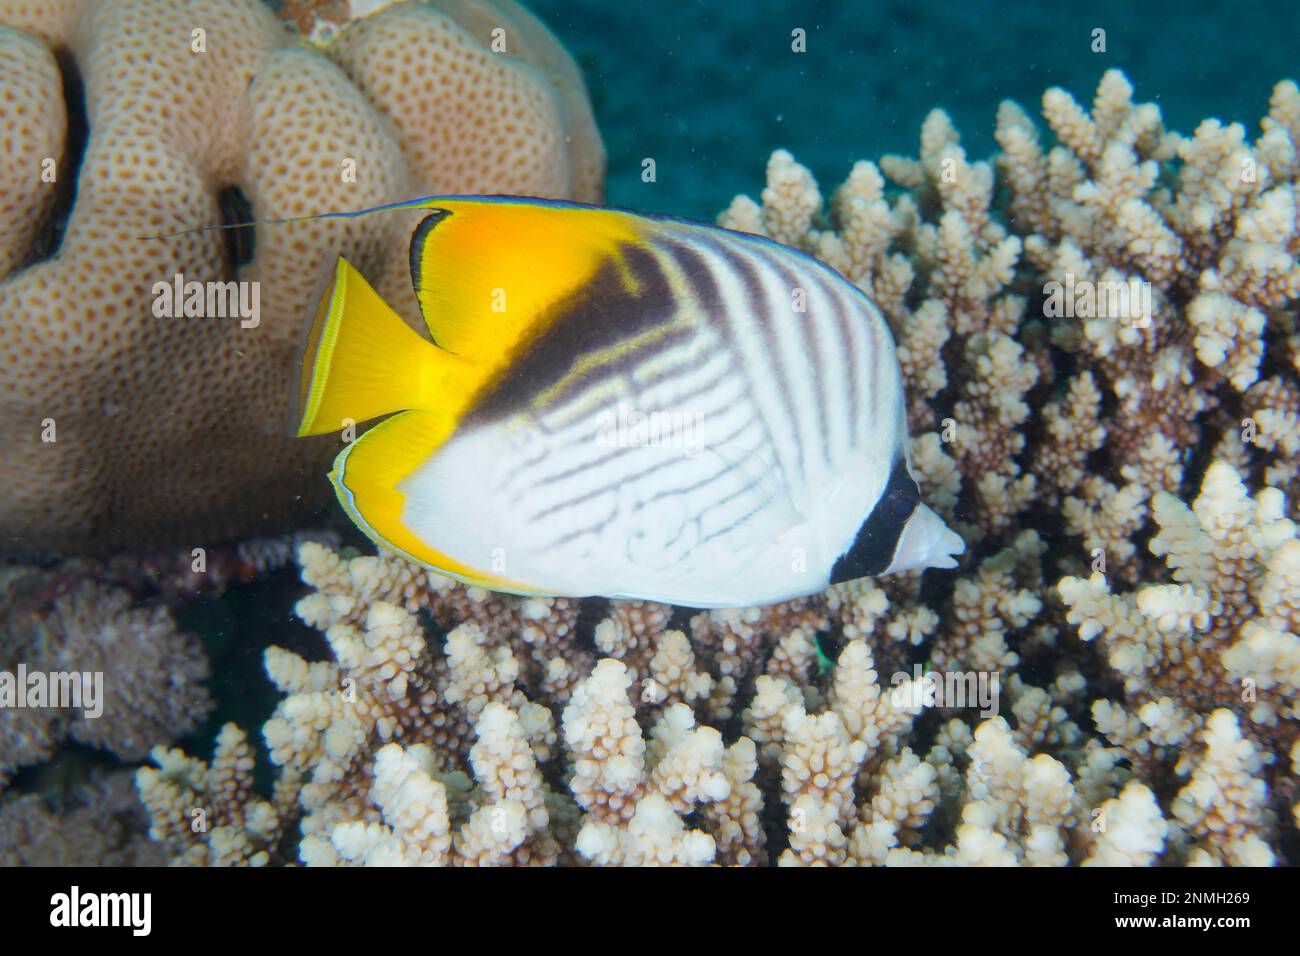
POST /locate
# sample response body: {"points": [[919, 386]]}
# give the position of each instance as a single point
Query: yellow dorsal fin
{"points": [[487, 270]]}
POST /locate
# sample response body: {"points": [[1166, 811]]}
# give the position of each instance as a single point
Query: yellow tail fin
{"points": [[363, 361]]}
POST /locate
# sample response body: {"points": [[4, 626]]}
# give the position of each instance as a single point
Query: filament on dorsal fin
{"points": [[406, 203]]}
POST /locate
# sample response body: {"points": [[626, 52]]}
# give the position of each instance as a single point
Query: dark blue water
{"points": [[708, 89]]}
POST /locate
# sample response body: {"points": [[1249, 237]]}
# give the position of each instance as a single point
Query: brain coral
{"points": [[120, 427]]}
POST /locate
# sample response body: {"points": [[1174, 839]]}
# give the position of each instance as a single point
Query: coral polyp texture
{"points": [[1097, 332], [151, 691], [122, 427], [504, 742]]}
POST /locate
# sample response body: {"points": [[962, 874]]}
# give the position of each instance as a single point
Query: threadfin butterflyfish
{"points": [[620, 405]]}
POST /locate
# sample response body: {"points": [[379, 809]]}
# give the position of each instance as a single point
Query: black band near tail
{"points": [[877, 539]]}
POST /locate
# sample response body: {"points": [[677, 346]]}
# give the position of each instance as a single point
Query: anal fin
{"points": [[367, 478]]}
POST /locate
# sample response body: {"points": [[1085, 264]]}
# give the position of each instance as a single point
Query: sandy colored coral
{"points": [[1225, 633], [1108, 679], [207, 813], [122, 425]]}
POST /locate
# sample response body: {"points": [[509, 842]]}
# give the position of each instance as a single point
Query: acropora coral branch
{"points": [[1098, 335]]}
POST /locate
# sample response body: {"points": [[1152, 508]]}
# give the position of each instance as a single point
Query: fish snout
{"points": [[926, 542]]}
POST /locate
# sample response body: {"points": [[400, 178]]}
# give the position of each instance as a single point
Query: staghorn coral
{"points": [[406, 750], [634, 793], [1047, 402], [1223, 806], [115, 418], [507, 825], [206, 813], [387, 686], [1142, 716], [1135, 832], [1226, 634]]}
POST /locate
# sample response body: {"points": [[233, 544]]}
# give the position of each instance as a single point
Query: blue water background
{"points": [[709, 88]]}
